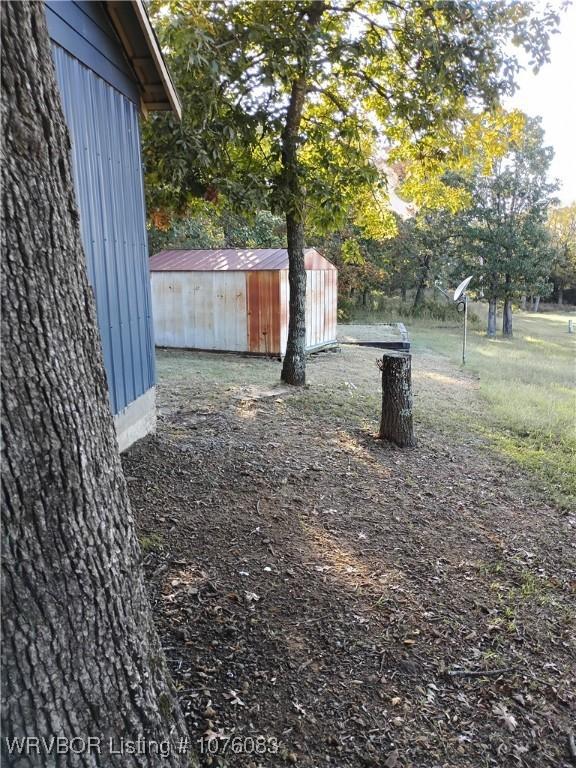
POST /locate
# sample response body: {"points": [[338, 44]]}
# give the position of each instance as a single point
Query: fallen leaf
{"points": [[392, 759]]}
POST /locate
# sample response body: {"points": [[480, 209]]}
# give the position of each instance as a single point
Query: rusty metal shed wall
{"points": [[321, 307], [321, 301], [263, 302], [242, 309], [200, 310]]}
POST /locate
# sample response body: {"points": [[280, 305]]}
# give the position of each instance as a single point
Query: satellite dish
{"points": [[462, 287]]}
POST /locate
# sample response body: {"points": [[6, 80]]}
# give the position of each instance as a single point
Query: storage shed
{"points": [[110, 71], [237, 300]]}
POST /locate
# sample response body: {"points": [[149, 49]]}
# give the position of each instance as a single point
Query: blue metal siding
{"points": [[83, 29], [107, 167]]}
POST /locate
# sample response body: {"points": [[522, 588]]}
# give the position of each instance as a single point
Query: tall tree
{"points": [[298, 94], [80, 655], [562, 226], [503, 230]]}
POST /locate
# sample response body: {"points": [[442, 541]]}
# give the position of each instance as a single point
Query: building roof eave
{"points": [[143, 51]]}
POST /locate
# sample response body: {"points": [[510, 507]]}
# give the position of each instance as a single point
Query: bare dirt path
{"points": [[341, 598]]}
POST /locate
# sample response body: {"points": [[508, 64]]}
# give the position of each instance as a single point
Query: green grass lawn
{"points": [[527, 385]]}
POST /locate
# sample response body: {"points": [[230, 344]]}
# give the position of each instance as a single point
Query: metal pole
{"points": [[465, 329]]}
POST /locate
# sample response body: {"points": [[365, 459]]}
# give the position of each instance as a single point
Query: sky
{"points": [[552, 95]]}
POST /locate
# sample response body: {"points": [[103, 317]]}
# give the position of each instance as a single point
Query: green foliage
{"points": [[562, 228], [380, 308], [404, 73], [503, 237], [209, 226]]}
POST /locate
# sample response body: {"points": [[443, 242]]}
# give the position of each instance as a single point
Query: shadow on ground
{"points": [[316, 587]]}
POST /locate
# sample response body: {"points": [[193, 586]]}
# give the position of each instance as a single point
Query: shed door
{"points": [[263, 309]]}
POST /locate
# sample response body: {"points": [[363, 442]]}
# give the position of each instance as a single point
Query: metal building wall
{"points": [[200, 310], [263, 309], [321, 307], [104, 130]]}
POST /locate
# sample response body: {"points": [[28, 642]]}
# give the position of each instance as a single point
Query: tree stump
{"points": [[396, 422]]}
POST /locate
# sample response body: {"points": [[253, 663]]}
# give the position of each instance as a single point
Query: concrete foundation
{"points": [[136, 420]]}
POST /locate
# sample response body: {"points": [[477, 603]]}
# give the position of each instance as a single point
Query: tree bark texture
{"points": [[419, 295], [491, 331], [396, 422], [507, 311], [80, 655], [523, 301], [536, 303], [507, 318], [294, 365], [422, 282]]}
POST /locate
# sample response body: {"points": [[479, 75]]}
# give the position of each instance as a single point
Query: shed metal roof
{"points": [[232, 260]]}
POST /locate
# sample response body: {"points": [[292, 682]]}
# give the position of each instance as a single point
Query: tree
{"points": [[206, 225], [427, 243], [80, 655], [296, 100], [503, 231], [562, 226]]}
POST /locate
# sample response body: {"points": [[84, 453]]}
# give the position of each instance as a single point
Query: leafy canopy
{"points": [[408, 77], [562, 228], [504, 231]]}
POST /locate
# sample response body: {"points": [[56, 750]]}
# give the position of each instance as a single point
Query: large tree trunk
{"points": [[560, 295], [491, 331], [396, 421], [80, 655], [294, 365]]}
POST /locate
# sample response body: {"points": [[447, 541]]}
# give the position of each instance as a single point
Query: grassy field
{"points": [[527, 388]]}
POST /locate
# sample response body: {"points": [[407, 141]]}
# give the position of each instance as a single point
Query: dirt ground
{"points": [[350, 603]]}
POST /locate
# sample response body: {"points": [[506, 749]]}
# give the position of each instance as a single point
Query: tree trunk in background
{"points": [[492, 307], [80, 655], [403, 294], [507, 318], [507, 311], [536, 303], [523, 302], [560, 295], [422, 280], [396, 421], [365, 293], [419, 295]]}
